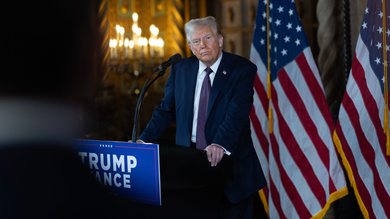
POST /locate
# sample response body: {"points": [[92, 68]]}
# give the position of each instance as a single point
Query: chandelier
{"points": [[133, 53]]}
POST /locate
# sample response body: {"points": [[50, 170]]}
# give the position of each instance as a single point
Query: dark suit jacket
{"points": [[227, 122]]}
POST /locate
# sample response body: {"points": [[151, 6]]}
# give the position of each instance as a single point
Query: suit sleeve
{"points": [[236, 121], [164, 114]]}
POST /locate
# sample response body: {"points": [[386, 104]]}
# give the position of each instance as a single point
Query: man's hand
{"points": [[139, 141], [214, 154]]}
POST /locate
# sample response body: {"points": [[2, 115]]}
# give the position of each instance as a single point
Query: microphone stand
{"points": [[146, 86]]}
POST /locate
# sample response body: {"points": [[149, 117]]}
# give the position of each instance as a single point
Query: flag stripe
{"points": [[376, 121], [363, 56], [299, 160], [369, 103], [375, 101], [311, 130], [290, 202], [260, 113], [365, 155], [297, 125], [367, 152], [276, 201], [314, 88], [356, 180], [306, 66], [261, 93], [261, 68], [360, 124], [263, 142], [304, 174]]}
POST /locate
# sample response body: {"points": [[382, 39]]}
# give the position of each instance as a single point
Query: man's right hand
{"points": [[139, 141], [214, 154]]}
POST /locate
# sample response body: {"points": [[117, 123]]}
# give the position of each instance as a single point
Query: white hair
{"points": [[210, 21]]}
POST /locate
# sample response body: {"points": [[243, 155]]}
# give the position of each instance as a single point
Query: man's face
{"points": [[205, 44]]}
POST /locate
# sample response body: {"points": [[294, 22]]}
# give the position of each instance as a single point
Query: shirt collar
{"points": [[213, 67]]}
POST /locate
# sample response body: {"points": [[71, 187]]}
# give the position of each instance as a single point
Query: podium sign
{"points": [[130, 170]]}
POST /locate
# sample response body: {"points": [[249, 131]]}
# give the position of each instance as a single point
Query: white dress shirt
{"points": [[198, 87]]}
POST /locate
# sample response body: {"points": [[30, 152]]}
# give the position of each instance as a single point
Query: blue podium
{"points": [[129, 170], [108, 179]]}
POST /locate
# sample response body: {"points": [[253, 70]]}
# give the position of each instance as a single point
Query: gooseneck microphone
{"points": [[160, 70], [172, 60]]}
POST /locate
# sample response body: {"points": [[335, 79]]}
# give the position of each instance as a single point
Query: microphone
{"points": [[161, 70], [172, 60]]}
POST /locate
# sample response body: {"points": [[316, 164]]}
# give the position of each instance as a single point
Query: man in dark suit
{"points": [[220, 126]]}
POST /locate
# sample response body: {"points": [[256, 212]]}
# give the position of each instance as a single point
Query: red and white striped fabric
{"points": [[360, 130], [298, 158]]}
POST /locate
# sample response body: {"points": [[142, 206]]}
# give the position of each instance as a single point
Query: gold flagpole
{"points": [[270, 120], [263, 198], [386, 88]]}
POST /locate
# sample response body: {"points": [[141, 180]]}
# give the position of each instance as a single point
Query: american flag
{"points": [[298, 158], [360, 129]]}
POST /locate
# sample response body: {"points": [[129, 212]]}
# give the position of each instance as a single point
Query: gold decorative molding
{"points": [[202, 8], [177, 42], [104, 33]]}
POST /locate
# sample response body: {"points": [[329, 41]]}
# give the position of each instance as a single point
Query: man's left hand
{"points": [[214, 154]]}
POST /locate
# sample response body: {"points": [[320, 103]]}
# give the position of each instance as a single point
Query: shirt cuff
{"points": [[224, 149]]}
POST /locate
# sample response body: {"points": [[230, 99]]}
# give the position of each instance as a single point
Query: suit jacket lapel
{"points": [[192, 73], [192, 76], [219, 82]]}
